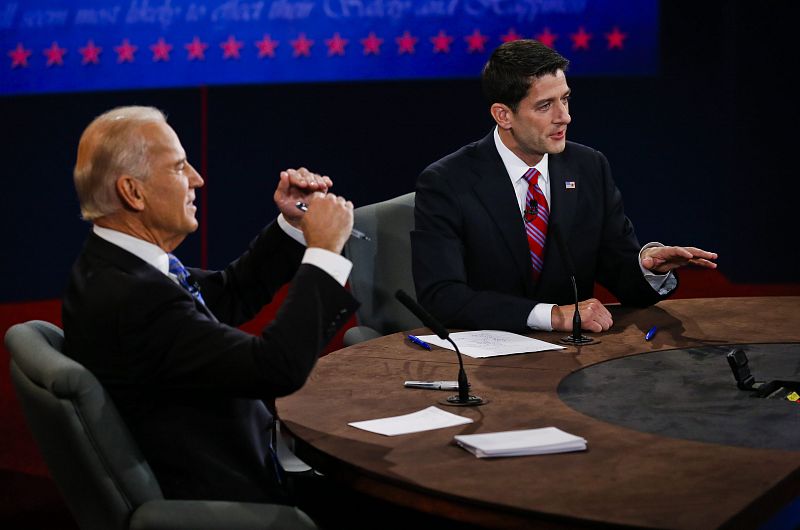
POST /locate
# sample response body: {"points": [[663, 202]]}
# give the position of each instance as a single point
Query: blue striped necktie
{"points": [[176, 268]]}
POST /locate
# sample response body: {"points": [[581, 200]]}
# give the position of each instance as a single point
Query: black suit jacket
{"points": [[471, 260], [190, 385]]}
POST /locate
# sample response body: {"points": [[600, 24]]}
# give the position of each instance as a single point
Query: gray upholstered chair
{"points": [[381, 267], [92, 457]]}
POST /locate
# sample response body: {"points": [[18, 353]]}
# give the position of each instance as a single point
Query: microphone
{"points": [[576, 338], [463, 398]]}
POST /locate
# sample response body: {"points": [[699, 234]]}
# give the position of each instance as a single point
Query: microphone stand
{"points": [[576, 338], [463, 398]]}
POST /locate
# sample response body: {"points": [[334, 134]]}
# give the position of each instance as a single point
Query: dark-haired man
{"points": [[486, 216]]}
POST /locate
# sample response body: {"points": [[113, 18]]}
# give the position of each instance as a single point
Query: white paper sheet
{"points": [[542, 441], [422, 420], [491, 343]]}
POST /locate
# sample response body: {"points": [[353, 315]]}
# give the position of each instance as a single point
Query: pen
{"points": [[419, 342], [650, 333], [432, 385], [303, 207]]}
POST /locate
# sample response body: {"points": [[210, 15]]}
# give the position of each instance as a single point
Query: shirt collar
{"points": [[514, 165], [144, 250]]}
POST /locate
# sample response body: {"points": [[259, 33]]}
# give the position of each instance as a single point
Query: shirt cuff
{"points": [[291, 231], [541, 318], [337, 266], [661, 283]]}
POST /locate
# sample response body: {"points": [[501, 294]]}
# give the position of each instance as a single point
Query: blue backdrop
{"points": [[77, 45]]}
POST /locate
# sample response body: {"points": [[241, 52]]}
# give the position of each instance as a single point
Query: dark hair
{"points": [[508, 74]]}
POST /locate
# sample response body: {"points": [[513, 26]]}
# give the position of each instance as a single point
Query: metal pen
{"points": [[358, 234]]}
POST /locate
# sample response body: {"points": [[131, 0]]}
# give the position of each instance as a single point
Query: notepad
{"points": [[542, 441]]}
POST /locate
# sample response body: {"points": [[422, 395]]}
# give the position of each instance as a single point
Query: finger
{"points": [[703, 263], [327, 181], [591, 325], [676, 252], [700, 253]]}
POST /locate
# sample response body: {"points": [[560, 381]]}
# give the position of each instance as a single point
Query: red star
{"points": [[615, 38], [55, 55], [91, 53], [372, 44], [19, 56], [266, 47], [405, 43], [302, 46], [196, 50], [231, 47], [125, 51], [580, 40], [476, 41], [336, 45], [441, 42], [512, 35], [547, 38], [161, 50]]}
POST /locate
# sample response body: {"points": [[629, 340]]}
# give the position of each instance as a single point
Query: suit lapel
{"points": [[495, 191], [133, 264], [563, 200]]}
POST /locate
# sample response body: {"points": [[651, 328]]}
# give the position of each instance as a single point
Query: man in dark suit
{"points": [[190, 385], [487, 215]]}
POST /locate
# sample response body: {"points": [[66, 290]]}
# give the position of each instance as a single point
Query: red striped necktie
{"points": [[536, 215]]}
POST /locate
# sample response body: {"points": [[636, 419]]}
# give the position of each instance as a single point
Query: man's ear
{"points": [[502, 114], [130, 193]]}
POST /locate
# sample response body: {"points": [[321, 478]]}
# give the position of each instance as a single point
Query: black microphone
{"points": [[576, 337], [463, 398]]}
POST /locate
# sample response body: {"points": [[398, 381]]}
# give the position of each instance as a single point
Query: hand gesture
{"points": [[328, 222], [664, 259], [298, 185]]}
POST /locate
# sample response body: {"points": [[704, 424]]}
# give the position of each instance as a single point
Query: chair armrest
{"points": [[213, 515], [358, 334]]}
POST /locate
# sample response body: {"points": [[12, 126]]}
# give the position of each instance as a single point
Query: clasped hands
{"points": [[329, 219], [661, 260]]}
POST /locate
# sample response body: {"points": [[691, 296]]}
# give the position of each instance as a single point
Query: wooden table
{"points": [[626, 478]]}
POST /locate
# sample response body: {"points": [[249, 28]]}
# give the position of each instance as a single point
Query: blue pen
{"points": [[419, 342], [650, 333]]}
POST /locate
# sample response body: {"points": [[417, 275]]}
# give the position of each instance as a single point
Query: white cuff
{"points": [[541, 317], [337, 266], [291, 231], [661, 283]]}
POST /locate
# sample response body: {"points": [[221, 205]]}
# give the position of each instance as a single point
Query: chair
{"points": [[381, 267], [92, 456]]}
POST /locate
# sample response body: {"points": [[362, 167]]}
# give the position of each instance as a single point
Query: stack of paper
{"points": [[521, 443]]}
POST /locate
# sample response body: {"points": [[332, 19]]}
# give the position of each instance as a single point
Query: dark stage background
{"points": [[703, 153]]}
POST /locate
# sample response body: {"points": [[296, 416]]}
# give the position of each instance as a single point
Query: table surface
{"points": [[625, 478]]}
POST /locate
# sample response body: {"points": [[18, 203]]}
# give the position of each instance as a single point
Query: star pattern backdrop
{"points": [[87, 45]]}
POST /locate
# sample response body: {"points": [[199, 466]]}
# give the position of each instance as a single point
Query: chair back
{"points": [[383, 265], [86, 445]]}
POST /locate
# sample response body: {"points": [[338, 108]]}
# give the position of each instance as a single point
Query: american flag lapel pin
{"points": [[569, 184]]}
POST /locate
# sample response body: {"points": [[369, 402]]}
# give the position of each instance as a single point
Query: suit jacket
{"points": [[190, 385], [470, 254]]}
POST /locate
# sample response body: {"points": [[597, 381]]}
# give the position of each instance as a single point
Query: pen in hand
{"points": [[303, 207]]}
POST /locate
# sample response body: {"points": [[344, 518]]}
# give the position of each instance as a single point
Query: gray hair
{"points": [[111, 146]]}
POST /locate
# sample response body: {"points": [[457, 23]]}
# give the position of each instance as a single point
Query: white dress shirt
{"points": [[335, 265], [540, 316]]}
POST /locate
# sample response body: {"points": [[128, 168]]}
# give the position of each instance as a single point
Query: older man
{"points": [[162, 339]]}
